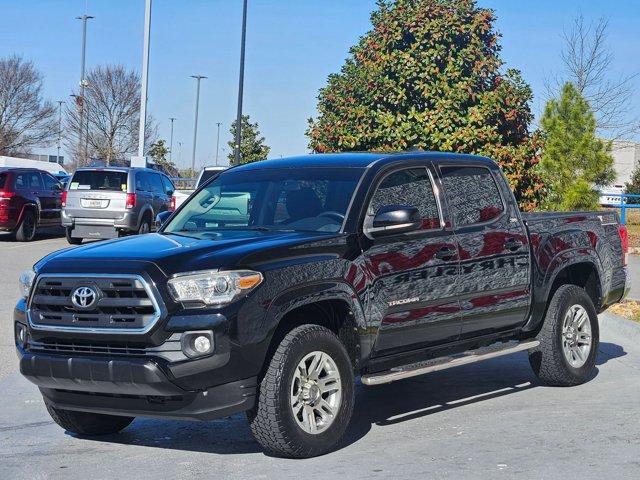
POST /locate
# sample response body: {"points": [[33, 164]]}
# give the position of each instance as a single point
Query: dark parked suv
{"points": [[109, 202], [29, 198]]}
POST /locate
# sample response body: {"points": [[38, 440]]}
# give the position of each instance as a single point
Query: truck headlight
{"points": [[212, 287], [26, 281]]}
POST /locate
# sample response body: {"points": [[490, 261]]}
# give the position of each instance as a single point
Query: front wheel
{"points": [[88, 424], [569, 339], [306, 396]]}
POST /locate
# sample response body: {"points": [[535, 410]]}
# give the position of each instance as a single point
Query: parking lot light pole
{"points": [[145, 78], [83, 83], [218, 141], [241, 84], [60, 103], [195, 123], [171, 140]]}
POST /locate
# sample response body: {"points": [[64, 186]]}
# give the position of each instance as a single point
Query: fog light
{"points": [[202, 344], [197, 344], [21, 334]]}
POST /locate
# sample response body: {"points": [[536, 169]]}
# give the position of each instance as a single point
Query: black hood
{"points": [[176, 253]]}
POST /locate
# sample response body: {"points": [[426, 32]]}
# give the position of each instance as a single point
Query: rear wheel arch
{"points": [[29, 207], [583, 274]]}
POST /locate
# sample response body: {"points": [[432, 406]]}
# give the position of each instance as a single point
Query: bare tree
{"points": [[588, 64], [26, 120], [110, 118]]}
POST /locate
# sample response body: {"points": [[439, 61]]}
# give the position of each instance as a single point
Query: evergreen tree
{"points": [[575, 162], [428, 75], [633, 187], [252, 146], [158, 151]]}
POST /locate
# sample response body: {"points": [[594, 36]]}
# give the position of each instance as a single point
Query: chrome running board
{"points": [[442, 363]]}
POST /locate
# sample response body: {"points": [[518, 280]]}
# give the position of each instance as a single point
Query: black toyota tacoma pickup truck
{"points": [[278, 283]]}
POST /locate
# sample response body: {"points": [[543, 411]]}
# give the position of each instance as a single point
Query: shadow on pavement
{"points": [[382, 405], [41, 234]]}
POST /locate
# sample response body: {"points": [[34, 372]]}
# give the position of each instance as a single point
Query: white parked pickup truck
{"points": [[179, 196]]}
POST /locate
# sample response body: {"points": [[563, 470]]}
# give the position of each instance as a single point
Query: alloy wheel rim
{"points": [[316, 392], [576, 336], [144, 228], [29, 226]]}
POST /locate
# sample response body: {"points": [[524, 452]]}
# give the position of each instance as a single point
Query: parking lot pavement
{"points": [[486, 420], [14, 258]]}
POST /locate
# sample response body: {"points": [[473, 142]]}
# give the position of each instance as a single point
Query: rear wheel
{"points": [[70, 239], [569, 339], [306, 396], [145, 226], [26, 231], [88, 424]]}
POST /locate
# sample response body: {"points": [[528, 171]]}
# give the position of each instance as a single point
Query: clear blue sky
{"points": [[292, 45]]}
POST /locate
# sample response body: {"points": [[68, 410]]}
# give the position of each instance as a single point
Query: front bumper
{"points": [[129, 387]]}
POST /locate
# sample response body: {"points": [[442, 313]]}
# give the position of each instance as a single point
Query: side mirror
{"points": [[162, 218], [58, 187], [170, 193], [393, 219]]}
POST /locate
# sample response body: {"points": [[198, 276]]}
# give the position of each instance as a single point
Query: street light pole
{"points": [[195, 124], [83, 83], [145, 77], [171, 140], [241, 84], [179, 153], [60, 103], [218, 142]]}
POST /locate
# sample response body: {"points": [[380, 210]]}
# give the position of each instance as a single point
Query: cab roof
{"points": [[359, 160]]}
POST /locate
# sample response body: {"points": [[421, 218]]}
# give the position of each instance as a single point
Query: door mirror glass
{"points": [[162, 218], [394, 219]]}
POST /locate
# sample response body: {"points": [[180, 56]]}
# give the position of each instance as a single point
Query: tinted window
{"points": [[168, 186], [99, 180], [28, 180], [408, 187], [309, 199], [155, 182], [472, 194], [3, 179], [142, 182], [206, 175], [49, 182]]}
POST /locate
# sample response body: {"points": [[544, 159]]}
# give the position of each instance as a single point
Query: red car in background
{"points": [[29, 198]]}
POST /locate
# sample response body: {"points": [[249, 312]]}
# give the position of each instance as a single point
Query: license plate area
{"points": [[94, 203]]}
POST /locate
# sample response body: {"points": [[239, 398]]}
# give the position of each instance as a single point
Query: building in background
{"points": [[46, 158], [626, 155], [45, 164]]}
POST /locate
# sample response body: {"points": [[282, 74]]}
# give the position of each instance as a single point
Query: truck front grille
{"points": [[93, 303]]}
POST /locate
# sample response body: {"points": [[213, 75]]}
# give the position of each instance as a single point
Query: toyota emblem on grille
{"points": [[84, 297]]}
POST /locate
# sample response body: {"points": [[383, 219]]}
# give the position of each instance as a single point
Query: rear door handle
{"points": [[512, 244], [445, 253]]}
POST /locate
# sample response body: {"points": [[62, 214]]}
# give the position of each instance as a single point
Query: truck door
{"points": [[412, 275], [50, 203], [493, 290]]}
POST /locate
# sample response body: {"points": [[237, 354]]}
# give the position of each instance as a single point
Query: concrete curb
{"points": [[612, 324]]}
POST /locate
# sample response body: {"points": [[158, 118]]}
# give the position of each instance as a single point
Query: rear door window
{"points": [[28, 181], [472, 194], [3, 180], [108, 180]]}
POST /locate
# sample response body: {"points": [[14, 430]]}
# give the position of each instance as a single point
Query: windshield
{"points": [[305, 199], [99, 180]]}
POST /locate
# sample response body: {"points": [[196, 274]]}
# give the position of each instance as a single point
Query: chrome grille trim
{"points": [[86, 278]]}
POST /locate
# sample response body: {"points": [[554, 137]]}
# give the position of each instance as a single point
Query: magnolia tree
{"points": [[429, 75]]}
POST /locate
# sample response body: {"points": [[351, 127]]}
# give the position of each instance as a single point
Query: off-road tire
{"points": [[271, 420], [26, 231], [88, 424], [70, 239], [548, 360]]}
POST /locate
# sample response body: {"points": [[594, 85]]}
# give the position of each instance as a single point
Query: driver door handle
{"points": [[445, 253]]}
